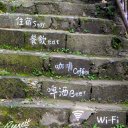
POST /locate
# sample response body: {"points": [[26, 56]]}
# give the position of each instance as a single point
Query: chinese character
{"points": [[28, 21], [53, 91], [63, 92], [59, 66], [69, 66], [19, 21], [42, 40], [33, 39]]}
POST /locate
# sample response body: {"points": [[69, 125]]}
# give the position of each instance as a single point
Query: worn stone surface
{"points": [[41, 112], [19, 63], [78, 24], [70, 66], [63, 64], [104, 67], [13, 38], [35, 39], [54, 7], [16, 88], [96, 90], [52, 40], [74, 90], [24, 21], [65, 90], [12, 88], [107, 119], [93, 44], [109, 91], [114, 69]]}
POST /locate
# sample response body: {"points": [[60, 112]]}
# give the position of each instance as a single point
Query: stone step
{"points": [[69, 23], [54, 40], [62, 114], [101, 91], [61, 8], [73, 1], [39, 63]]}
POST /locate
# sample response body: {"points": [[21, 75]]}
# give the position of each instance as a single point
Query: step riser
{"points": [[58, 8], [83, 67], [84, 25], [20, 63], [65, 90], [84, 43], [64, 65], [53, 8], [41, 116], [34, 41]]}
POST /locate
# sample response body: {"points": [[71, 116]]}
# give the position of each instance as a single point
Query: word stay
{"points": [[29, 22]]}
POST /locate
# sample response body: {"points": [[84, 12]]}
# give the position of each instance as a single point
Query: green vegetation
{"points": [[116, 43], [13, 9], [105, 11], [72, 30], [10, 47], [119, 126], [86, 31], [4, 73], [37, 72], [3, 7]]}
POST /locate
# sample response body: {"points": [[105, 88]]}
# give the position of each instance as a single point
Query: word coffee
{"points": [[70, 68]]}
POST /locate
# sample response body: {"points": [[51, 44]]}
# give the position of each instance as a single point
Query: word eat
{"points": [[41, 39]]}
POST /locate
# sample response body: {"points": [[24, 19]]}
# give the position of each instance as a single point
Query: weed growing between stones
{"points": [[4, 73], [107, 11], [116, 43], [119, 126], [2, 7], [86, 31], [36, 72], [71, 30], [9, 47], [85, 125]]}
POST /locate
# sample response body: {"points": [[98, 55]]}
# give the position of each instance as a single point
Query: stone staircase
{"points": [[63, 64]]}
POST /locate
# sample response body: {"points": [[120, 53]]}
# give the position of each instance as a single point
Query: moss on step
{"points": [[19, 115], [3, 7], [20, 63], [15, 88]]}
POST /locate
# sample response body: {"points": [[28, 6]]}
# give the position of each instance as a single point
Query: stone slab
{"points": [[59, 113], [19, 63], [94, 44], [109, 91], [68, 23], [33, 39], [80, 66], [64, 64], [73, 90], [70, 66]]}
